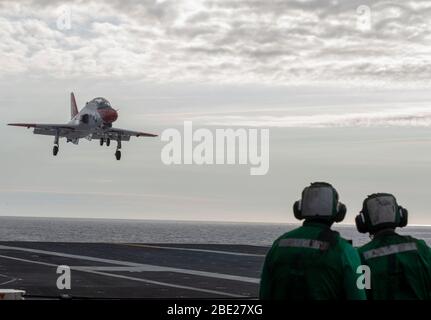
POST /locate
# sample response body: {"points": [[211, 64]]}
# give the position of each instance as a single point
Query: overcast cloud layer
{"points": [[357, 72], [278, 41], [406, 117]]}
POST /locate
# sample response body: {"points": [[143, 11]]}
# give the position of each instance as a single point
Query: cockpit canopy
{"points": [[101, 103]]}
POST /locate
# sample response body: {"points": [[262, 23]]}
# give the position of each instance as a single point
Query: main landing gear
{"points": [[108, 143], [55, 150], [56, 145], [118, 152]]}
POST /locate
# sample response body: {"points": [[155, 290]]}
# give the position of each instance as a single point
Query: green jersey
{"points": [[311, 262], [400, 267]]}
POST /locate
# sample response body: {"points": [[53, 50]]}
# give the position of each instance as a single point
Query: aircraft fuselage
{"points": [[93, 118]]}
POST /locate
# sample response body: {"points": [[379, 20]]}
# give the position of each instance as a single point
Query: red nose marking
{"points": [[108, 115]]}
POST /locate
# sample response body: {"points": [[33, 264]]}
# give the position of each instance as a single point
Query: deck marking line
{"points": [[196, 250], [7, 281], [131, 278], [133, 264]]}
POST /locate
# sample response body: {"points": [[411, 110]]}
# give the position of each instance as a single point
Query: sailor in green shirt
{"points": [[312, 261], [400, 265]]}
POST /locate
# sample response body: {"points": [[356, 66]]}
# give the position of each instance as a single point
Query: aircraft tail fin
{"points": [[73, 107]]}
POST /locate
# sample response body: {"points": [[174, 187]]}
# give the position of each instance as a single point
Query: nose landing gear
{"points": [[107, 141]]}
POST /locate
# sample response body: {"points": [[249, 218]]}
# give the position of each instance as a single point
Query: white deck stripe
{"points": [[7, 281], [117, 269], [133, 264], [196, 250], [129, 278]]}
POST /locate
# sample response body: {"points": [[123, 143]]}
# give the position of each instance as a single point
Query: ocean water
{"points": [[150, 231]]}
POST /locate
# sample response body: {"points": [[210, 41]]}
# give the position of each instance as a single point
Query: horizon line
{"points": [[190, 220]]}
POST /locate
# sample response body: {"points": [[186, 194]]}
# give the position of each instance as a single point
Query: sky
{"points": [[342, 86]]}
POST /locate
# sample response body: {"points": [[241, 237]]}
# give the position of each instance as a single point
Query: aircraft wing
{"points": [[47, 129], [129, 133]]}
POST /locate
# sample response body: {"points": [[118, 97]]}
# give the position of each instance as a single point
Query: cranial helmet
{"points": [[319, 201], [380, 211]]}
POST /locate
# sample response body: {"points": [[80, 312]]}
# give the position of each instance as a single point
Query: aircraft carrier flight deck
{"points": [[132, 270]]}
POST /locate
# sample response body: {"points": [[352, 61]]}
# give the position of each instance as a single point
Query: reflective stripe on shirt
{"points": [[392, 249], [304, 243]]}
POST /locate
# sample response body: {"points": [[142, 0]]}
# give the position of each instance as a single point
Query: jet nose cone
{"points": [[108, 115], [114, 115]]}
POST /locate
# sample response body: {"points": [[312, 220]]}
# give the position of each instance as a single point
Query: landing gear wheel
{"points": [[55, 150], [118, 154], [108, 142], [101, 141]]}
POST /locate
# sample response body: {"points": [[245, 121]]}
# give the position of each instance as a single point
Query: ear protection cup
{"points": [[297, 210], [341, 209], [404, 215], [341, 212], [363, 223], [360, 223]]}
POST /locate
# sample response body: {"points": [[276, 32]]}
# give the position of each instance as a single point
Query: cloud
{"points": [[274, 42], [406, 117], [111, 195]]}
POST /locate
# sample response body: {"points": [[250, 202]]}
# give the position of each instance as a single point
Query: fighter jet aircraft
{"points": [[94, 121]]}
